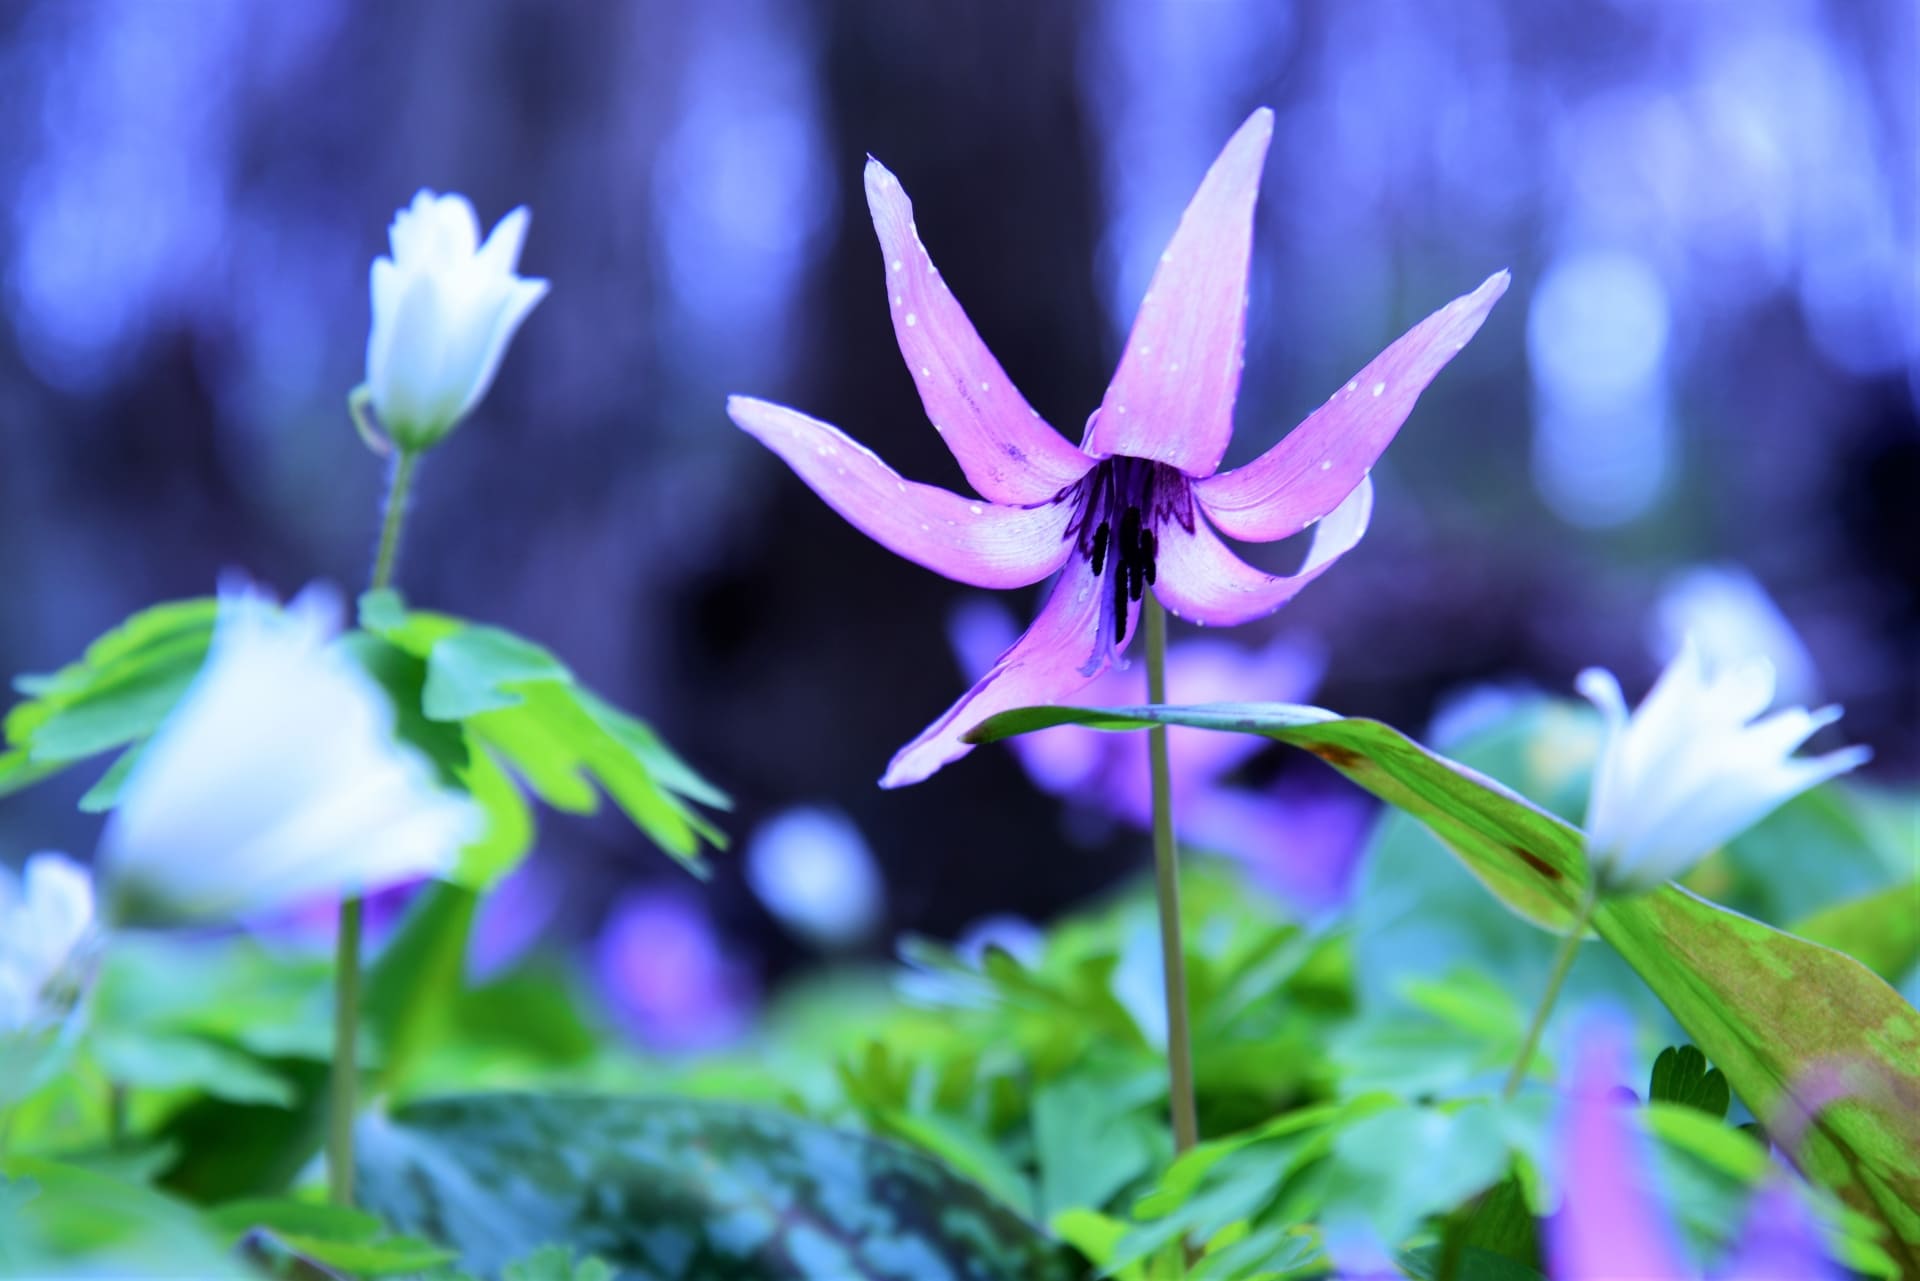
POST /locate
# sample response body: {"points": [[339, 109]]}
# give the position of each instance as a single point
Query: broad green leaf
{"points": [[163, 1061], [81, 1223], [1428, 1263], [1681, 1075], [404, 678], [674, 1188], [478, 669], [1881, 929], [1398, 1166], [1770, 1009]]}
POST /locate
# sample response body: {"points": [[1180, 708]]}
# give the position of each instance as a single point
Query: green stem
{"points": [[1166, 870], [1563, 962], [399, 488], [346, 961]]}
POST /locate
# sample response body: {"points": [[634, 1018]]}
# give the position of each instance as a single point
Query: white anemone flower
{"points": [[444, 309], [276, 780], [815, 873], [1692, 767], [46, 936]]}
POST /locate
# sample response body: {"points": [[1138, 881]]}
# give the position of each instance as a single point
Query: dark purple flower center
{"points": [[1121, 504]]}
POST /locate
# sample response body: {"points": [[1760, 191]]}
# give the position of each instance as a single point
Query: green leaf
{"points": [[1681, 1075], [1880, 929], [1472, 1264], [518, 702], [331, 1236], [117, 693], [675, 1188], [404, 678], [556, 1263], [1770, 1009], [162, 1061], [83, 1223], [1398, 1166]]}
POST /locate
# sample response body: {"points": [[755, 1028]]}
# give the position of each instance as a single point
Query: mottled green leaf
{"points": [[1881, 929], [331, 1236], [677, 1188], [1772, 1010], [556, 1263], [82, 1223], [1429, 1263]]}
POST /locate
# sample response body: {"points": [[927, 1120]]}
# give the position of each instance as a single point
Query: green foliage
{"points": [[1681, 1075], [1721, 974], [330, 1236], [60, 1219], [556, 1263], [673, 1188], [480, 703]]}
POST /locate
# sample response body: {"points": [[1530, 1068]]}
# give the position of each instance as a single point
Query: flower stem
{"points": [[1562, 962], [1166, 870], [346, 959]]}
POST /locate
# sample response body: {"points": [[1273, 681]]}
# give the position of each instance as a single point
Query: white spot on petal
{"points": [[897, 264], [1353, 385], [912, 320], [1326, 464], [975, 508], [925, 372], [1378, 388]]}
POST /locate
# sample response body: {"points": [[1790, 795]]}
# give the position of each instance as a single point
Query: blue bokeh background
{"points": [[1710, 354]]}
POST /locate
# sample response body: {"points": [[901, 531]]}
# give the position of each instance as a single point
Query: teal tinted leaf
{"points": [[1397, 1167], [1770, 1009], [1681, 1075], [477, 669], [175, 1061], [83, 1223], [404, 678], [516, 700], [117, 693], [1089, 1141], [556, 1263], [105, 794], [675, 1188]]}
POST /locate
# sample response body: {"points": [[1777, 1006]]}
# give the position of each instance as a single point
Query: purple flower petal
{"points": [[1779, 1240], [1059, 656], [1202, 581], [974, 542], [1171, 400], [1007, 450], [1319, 462], [1612, 1224]]}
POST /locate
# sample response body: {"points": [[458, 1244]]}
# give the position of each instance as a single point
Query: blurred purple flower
{"points": [[1124, 512], [661, 969], [1613, 1224], [1299, 838], [814, 871]]}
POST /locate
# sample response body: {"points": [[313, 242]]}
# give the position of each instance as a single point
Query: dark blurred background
{"points": [[1710, 354]]}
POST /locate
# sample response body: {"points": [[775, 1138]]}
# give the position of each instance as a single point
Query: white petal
{"points": [[1692, 768], [276, 778]]}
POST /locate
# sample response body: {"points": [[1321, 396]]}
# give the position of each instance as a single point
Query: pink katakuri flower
{"points": [[1136, 506]]}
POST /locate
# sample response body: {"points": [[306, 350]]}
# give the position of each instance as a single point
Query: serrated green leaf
{"points": [[404, 678], [1726, 978], [478, 669], [508, 834], [674, 1188]]}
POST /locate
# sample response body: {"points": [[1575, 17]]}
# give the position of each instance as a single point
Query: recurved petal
{"points": [[521, 296], [981, 543], [1007, 450], [1171, 399], [1300, 479], [1057, 657], [500, 256], [1202, 581]]}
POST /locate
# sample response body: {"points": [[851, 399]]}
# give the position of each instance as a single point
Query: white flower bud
{"points": [[1692, 768], [444, 309]]}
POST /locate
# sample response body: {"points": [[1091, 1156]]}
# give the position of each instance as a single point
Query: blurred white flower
{"points": [[1692, 768], [276, 779], [1731, 618], [813, 870], [46, 936], [444, 309]]}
